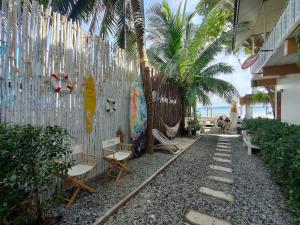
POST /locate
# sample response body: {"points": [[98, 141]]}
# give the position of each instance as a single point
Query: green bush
{"points": [[280, 151], [27, 162]]}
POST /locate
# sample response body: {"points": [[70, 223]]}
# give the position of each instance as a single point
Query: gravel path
{"points": [[170, 195], [89, 206]]}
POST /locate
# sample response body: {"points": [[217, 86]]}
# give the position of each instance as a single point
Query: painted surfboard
{"points": [[89, 102], [138, 117]]}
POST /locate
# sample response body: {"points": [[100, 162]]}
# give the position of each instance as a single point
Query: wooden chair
{"points": [[77, 174], [117, 158]]}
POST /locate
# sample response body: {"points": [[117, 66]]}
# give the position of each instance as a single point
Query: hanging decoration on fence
{"points": [[65, 80], [89, 102], [110, 105]]}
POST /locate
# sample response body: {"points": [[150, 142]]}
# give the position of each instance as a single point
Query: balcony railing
{"points": [[287, 22]]}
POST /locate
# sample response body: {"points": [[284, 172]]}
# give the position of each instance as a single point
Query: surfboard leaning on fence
{"points": [[138, 117]]}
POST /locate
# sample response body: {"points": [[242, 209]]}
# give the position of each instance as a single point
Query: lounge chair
{"points": [[164, 143]]}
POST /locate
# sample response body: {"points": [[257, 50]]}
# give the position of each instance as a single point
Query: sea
{"points": [[264, 111]]}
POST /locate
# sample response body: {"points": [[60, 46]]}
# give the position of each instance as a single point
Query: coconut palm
{"points": [[186, 54]]}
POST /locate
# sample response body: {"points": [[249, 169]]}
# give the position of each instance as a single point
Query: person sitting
{"points": [[227, 120], [220, 123], [227, 124]]}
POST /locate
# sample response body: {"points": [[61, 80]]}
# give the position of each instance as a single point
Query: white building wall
{"points": [[290, 98]]}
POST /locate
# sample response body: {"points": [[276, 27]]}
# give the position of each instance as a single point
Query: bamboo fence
{"points": [[37, 42]]}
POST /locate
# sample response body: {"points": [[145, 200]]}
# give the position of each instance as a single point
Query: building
{"points": [[276, 22]]}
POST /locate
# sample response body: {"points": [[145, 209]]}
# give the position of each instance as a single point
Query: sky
{"points": [[239, 78]]}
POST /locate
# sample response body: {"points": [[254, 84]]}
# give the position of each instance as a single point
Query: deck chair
{"points": [[164, 142], [117, 158], [77, 174]]}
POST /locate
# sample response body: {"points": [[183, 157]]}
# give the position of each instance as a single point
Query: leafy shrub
{"points": [[27, 162], [280, 151]]}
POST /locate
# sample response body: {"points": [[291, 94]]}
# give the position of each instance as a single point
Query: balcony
{"points": [[287, 23]]}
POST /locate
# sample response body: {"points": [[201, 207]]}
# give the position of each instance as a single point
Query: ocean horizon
{"points": [[216, 111]]}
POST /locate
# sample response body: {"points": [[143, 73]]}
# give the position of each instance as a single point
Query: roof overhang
{"points": [[258, 80], [250, 18]]}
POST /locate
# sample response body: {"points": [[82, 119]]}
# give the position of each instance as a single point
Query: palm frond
{"points": [[75, 9], [185, 53], [218, 68], [222, 88], [203, 97]]}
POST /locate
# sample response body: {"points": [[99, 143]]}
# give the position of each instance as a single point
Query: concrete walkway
{"points": [[198, 218]]}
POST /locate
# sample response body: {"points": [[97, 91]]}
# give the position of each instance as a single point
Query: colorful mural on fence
{"points": [[138, 117]]}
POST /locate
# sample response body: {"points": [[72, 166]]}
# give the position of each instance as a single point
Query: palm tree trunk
{"points": [[145, 70]]}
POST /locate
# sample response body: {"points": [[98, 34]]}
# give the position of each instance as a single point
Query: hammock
{"points": [[171, 131]]}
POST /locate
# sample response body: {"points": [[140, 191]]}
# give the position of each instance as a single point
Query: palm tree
{"points": [[145, 70], [185, 53], [122, 18]]}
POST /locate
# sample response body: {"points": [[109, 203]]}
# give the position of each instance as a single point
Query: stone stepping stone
{"points": [[221, 179], [221, 168], [223, 146], [222, 154], [217, 194], [198, 218], [222, 160], [223, 143], [223, 150]]}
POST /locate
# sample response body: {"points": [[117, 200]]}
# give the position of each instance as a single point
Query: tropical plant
{"points": [[280, 151], [27, 160], [145, 69], [260, 97], [185, 53]]}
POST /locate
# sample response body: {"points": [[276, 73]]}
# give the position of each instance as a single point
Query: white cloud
{"points": [[190, 6]]}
